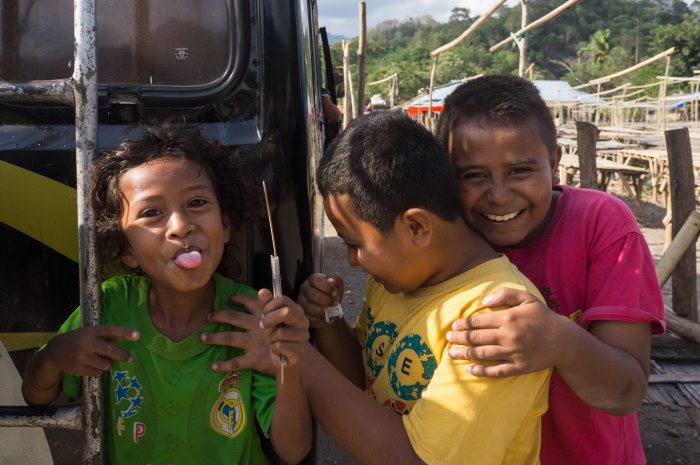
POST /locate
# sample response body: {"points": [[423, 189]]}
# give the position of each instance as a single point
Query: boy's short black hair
{"points": [[233, 180], [388, 163], [501, 100]]}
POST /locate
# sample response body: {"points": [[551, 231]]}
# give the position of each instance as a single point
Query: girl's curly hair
{"points": [[233, 179]]}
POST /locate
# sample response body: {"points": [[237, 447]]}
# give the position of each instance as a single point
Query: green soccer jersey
{"points": [[167, 407]]}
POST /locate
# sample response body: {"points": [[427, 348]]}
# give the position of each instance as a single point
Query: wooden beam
{"points": [[586, 139], [474, 26], [681, 326], [687, 235], [674, 378], [382, 80], [435, 54], [361, 48], [535, 24], [682, 182], [644, 63]]}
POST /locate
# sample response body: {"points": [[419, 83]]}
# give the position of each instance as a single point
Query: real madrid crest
{"points": [[228, 415]]}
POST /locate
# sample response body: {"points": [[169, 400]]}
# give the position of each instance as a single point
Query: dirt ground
{"points": [[669, 434]]}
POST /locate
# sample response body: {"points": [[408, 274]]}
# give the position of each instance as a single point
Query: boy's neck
{"points": [[179, 314], [457, 250]]}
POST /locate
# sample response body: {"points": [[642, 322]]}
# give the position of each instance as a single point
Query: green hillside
{"points": [[592, 39]]}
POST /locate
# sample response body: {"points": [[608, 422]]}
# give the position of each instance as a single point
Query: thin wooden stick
{"points": [[269, 219], [276, 278]]}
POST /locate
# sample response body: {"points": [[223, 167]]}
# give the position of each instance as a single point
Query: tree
{"points": [[686, 38], [598, 47], [459, 15]]}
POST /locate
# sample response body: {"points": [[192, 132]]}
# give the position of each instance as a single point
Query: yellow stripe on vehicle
{"points": [[21, 341], [39, 207]]}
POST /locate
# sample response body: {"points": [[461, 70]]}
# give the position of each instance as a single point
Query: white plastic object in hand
{"points": [[331, 313], [277, 290]]}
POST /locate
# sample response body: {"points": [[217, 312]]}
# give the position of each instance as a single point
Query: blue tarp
{"points": [[551, 91], [561, 91]]}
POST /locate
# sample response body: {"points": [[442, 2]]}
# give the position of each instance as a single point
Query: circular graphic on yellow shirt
{"points": [[379, 340], [411, 366]]}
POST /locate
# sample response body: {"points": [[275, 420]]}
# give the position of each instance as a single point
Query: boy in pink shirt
{"points": [[584, 252]]}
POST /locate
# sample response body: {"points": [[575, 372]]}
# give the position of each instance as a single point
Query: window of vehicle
{"points": [[140, 42]]}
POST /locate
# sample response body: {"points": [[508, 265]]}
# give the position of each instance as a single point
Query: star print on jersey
{"points": [[127, 394]]}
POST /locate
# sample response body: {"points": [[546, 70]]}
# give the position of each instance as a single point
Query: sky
{"points": [[340, 17]]}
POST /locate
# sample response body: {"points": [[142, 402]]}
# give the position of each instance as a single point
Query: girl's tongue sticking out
{"points": [[189, 260]]}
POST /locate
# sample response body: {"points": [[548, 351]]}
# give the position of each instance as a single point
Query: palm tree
{"points": [[598, 46]]}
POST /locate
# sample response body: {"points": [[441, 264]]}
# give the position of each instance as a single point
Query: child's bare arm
{"points": [[607, 367], [335, 340], [287, 333], [86, 351], [368, 431]]}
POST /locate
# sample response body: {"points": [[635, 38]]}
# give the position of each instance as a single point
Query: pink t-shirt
{"points": [[591, 263]]}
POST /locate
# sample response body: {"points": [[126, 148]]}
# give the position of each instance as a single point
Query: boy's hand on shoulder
{"points": [[285, 325], [521, 339], [252, 339], [90, 350], [318, 292]]}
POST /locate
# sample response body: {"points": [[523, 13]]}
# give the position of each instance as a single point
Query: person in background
{"points": [[333, 117]]}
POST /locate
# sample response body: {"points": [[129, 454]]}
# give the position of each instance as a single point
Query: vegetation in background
{"points": [[590, 40]]}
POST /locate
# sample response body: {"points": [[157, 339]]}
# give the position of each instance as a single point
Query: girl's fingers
{"points": [[116, 333]]}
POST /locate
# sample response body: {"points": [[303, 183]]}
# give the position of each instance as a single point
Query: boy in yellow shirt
{"points": [[389, 191]]}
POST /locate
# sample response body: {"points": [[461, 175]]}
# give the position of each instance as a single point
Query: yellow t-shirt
{"points": [[451, 417]]}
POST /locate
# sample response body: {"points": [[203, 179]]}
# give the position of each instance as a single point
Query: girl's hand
{"points": [[521, 339], [318, 292], [90, 350], [286, 327]]}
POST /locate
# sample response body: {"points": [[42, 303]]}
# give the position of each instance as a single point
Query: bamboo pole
{"points": [[361, 59], [433, 70], [661, 112], [535, 24], [436, 53], [474, 26], [522, 41], [347, 81], [374, 83], [392, 89], [530, 70], [644, 63], [687, 235], [679, 325]]}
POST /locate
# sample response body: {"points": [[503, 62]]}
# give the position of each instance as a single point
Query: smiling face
{"points": [[504, 180], [391, 259], [173, 223]]}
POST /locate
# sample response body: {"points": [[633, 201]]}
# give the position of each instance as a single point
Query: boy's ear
{"points": [[554, 160], [420, 225]]}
